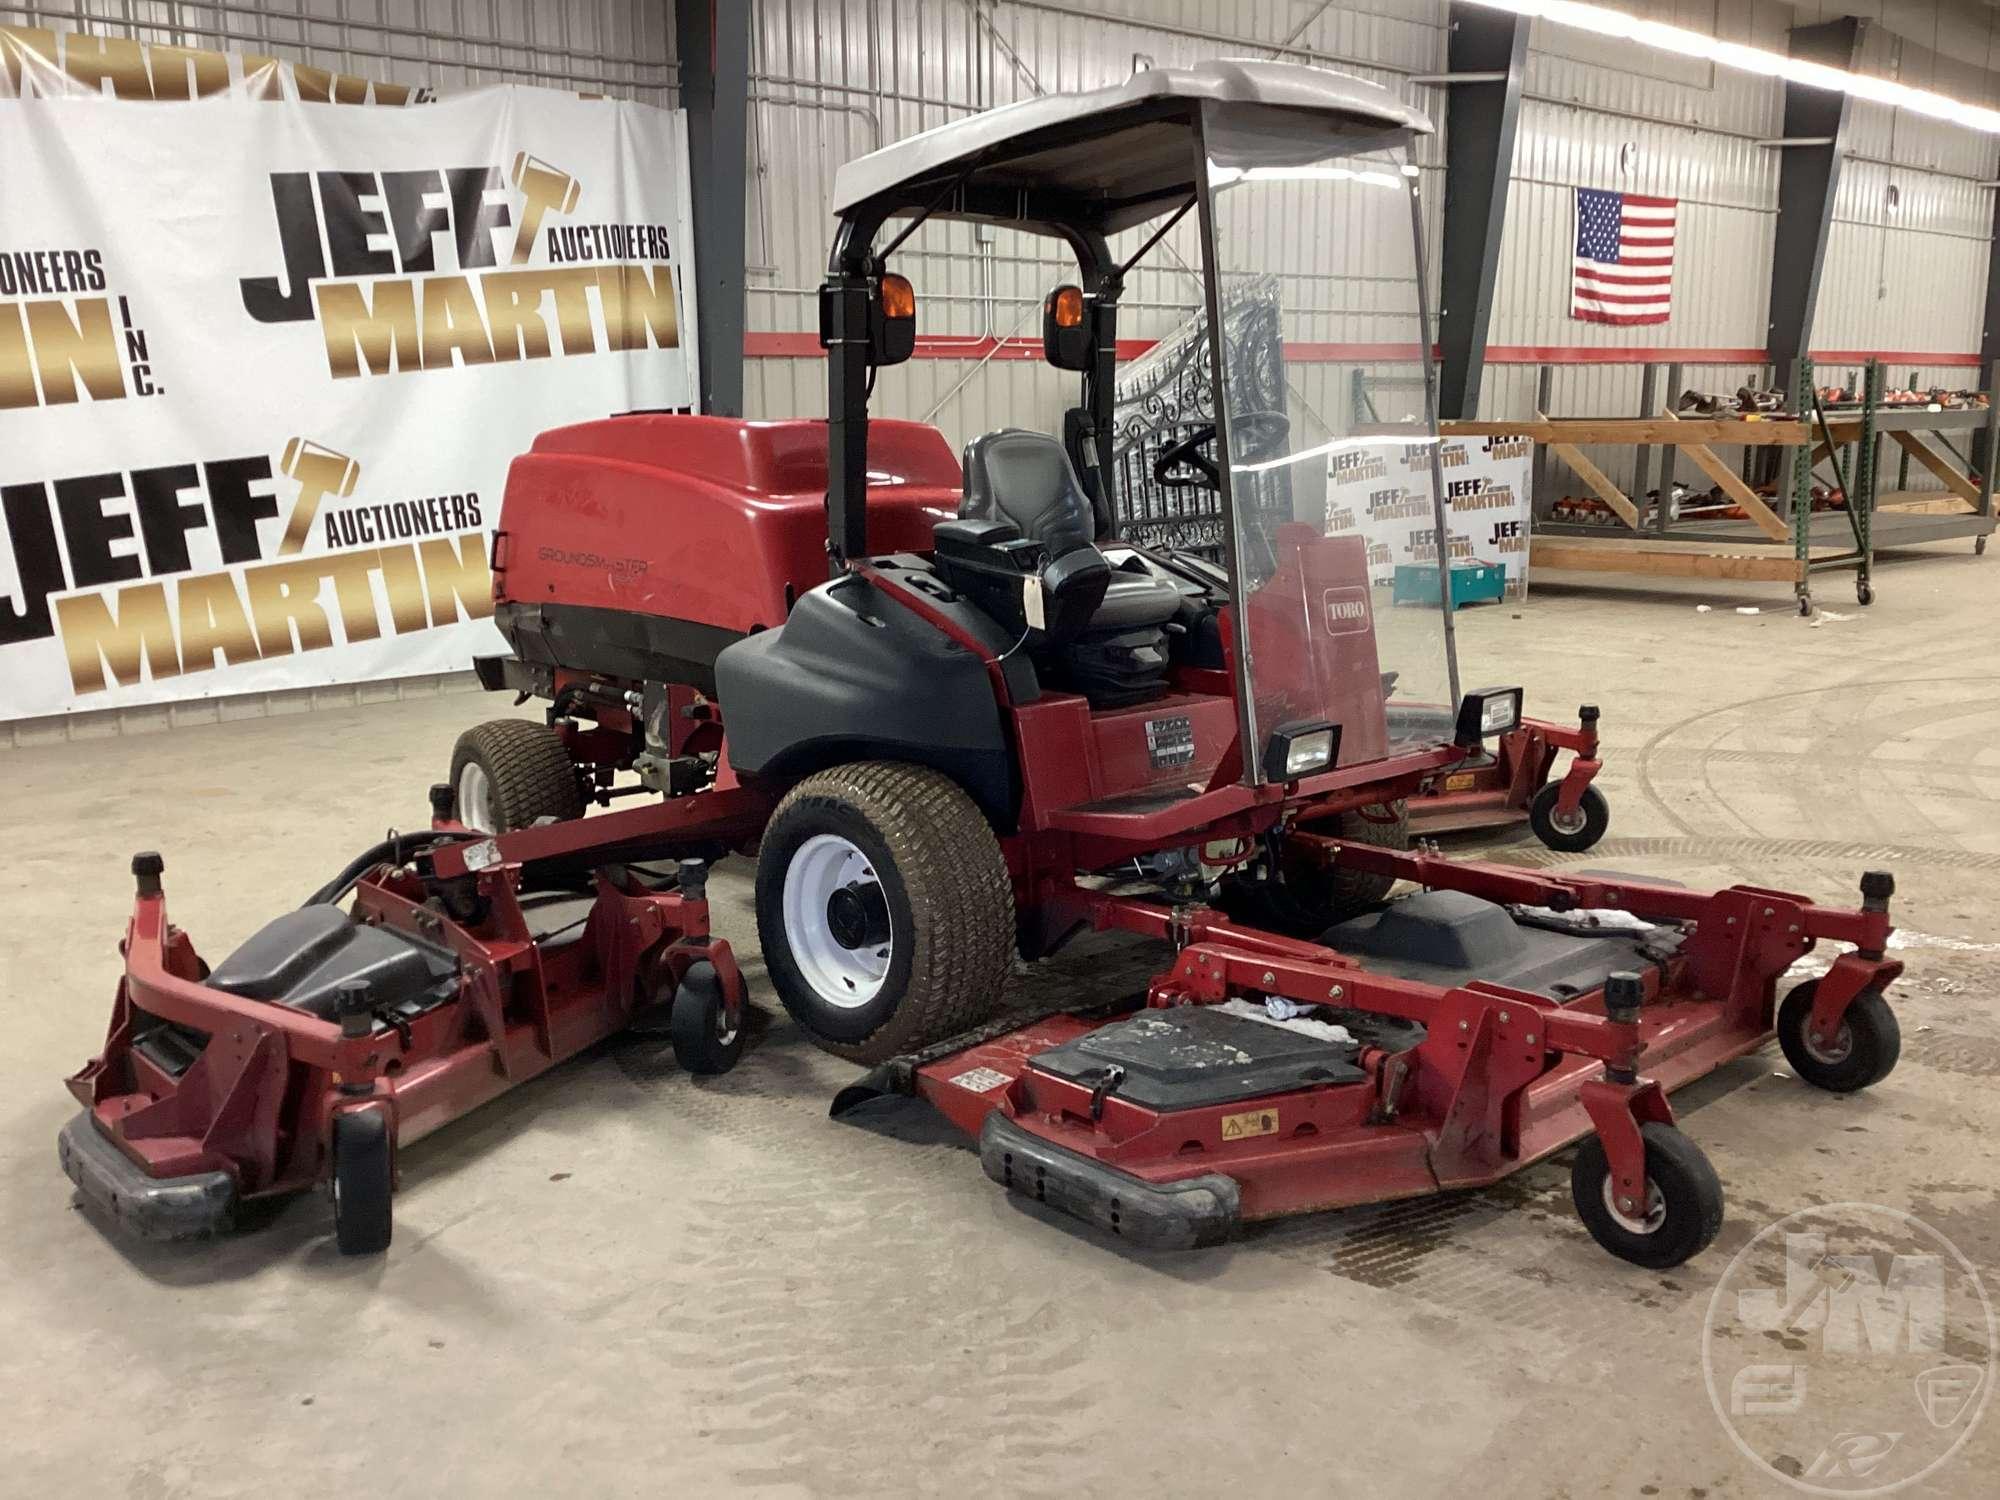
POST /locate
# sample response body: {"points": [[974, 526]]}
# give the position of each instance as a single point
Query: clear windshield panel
{"points": [[1331, 445]]}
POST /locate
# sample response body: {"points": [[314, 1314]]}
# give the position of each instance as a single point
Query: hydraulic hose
{"points": [[396, 849]]}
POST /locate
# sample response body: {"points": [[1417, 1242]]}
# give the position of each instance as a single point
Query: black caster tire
{"points": [[1864, 592], [512, 773], [1979, 546], [363, 1182], [705, 1040], [1683, 1200], [1593, 816], [1862, 1052], [1805, 606], [884, 908]]}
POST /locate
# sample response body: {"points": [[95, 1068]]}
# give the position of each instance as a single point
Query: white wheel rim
{"points": [[1563, 822], [475, 798], [823, 867], [1656, 1209], [1834, 1052]]}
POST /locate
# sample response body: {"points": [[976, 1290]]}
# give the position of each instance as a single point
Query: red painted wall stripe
{"points": [[806, 346]]}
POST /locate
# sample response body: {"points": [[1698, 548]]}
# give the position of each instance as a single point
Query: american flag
{"points": [[1624, 258]]}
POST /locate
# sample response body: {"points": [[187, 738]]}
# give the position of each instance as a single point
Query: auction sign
{"points": [[1380, 487], [266, 356]]}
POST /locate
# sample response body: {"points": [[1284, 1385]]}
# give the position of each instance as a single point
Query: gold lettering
{"points": [[384, 336], [17, 370], [211, 620], [514, 311], [572, 296], [456, 576], [638, 302], [285, 597], [171, 66], [96, 636], [92, 59], [452, 322], [26, 50], [359, 620], [403, 580], [64, 349]]}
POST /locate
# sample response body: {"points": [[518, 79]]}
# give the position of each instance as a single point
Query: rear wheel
{"points": [[510, 773], [363, 1182], [884, 908], [1304, 897]]}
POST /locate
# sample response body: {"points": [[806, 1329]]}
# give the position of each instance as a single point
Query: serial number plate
{"points": [[1170, 742]]}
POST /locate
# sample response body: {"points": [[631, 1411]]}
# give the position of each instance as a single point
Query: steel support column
{"points": [[713, 44], [1989, 351], [1478, 167], [1808, 178]]}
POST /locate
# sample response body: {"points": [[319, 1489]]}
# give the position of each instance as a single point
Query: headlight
{"points": [[1488, 712], [1299, 750]]}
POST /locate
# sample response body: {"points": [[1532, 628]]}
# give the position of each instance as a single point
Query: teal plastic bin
{"points": [[1471, 583]]}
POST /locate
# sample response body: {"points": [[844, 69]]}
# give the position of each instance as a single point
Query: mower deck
{"points": [[1445, 1041]]}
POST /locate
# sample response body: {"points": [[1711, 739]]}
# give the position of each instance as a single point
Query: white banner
{"points": [[264, 362], [1382, 490]]}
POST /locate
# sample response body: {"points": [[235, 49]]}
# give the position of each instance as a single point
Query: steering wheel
{"points": [[1259, 434], [1171, 468]]}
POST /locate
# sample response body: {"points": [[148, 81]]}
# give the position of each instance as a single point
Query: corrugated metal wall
{"points": [[836, 76]]}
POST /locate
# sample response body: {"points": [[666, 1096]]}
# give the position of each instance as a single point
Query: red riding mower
{"points": [[993, 726]]}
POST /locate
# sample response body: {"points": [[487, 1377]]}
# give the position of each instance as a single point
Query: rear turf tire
{"points": [[875, 846], [510, 773], [363, 1182]]}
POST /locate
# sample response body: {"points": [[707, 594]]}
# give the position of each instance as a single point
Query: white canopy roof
{"points": [[1102, 164]]}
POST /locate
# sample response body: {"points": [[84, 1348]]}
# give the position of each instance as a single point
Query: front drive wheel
{"points": [[363, 1181], [1682, 1213], [1861, 1051], [884, 908]]}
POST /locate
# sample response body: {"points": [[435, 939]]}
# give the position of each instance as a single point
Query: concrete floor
{"points": [[620, 1282]]}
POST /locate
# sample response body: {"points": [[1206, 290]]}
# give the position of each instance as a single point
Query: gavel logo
{"points": [[320, 471], [543, 187]]}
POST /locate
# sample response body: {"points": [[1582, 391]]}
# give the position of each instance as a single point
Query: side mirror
{"points": [[1065, 330], [892, 321]]}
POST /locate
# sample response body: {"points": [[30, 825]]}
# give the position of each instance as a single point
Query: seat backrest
{"points": [[1026, 478]]}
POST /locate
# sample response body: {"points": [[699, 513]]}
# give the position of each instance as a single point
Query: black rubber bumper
{"points": [[1185, 1215], [151, 1208]]}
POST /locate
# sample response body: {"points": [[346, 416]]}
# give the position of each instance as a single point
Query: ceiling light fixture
{"points": [[1603, 21]]}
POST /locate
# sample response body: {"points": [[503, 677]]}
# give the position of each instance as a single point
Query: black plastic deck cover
{"points": [[1196, 1055]]}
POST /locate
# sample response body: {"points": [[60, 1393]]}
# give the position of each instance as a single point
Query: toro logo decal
{"points": [[1345, 610]]}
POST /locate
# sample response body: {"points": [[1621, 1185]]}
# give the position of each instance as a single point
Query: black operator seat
{"points": [[1024, 547], [1025, 478]]}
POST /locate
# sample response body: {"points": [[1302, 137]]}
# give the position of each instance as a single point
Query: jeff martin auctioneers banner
{"points": [[269, 338]]}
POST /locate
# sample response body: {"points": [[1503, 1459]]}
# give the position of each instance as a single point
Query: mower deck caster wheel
{"points": [[705, 1040], [1578, 831], [1861, 1052], [363, 1182], [1864, 591], [1805, 605], [1979, 546], [1682, 1213]]}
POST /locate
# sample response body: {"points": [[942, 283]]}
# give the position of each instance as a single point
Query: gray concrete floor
{"points": [[619, 1281]]}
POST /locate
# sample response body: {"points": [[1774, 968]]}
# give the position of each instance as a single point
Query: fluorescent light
{"points": [[1605, 22]]}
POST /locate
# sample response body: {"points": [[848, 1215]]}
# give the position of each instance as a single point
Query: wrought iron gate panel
{"points": [[1167, 394]]}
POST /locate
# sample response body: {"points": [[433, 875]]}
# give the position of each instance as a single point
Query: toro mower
{"points": [[995, 725]]}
